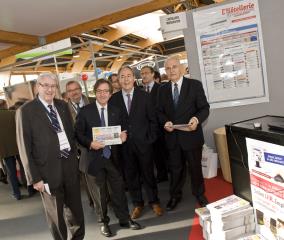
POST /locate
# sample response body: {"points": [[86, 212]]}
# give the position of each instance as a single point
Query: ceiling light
{"points": [[128, 45], [93, 37]]}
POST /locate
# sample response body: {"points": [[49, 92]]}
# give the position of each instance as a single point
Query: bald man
{"points": [[182, 101]]}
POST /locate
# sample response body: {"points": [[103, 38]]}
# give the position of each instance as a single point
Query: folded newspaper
{"points": [[227, 206], [107, 135], [252, 237]]}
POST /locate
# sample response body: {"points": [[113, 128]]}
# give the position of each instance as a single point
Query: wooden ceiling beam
{"points": [[117, 64], [95, 23], [111, 19], [7, 61], [11, 51], [18, 38], [111, 35]]}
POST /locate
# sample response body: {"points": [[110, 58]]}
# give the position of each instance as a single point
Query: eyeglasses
{"points": [[47, 86], [102, 91]]}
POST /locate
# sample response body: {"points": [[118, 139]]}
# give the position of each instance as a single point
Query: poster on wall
{"points": [[266, 167], [231, 53], [18, 94]]}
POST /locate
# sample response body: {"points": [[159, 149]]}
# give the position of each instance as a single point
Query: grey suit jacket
{"points": [[72, 110], [38, 143]]}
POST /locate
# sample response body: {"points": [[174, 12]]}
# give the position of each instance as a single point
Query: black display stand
{"points": [[236, 137]]}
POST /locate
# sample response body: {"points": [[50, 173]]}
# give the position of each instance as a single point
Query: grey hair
{"points": [[47, 75], [173, 57]]}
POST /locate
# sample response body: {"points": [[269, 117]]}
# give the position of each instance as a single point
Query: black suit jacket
{"points": [[154, 93], [192, 103], [39, 145], [88, 118], [141, 124]]}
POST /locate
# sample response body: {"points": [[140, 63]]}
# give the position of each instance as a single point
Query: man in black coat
{"points": [[101, 160], [140, 122], [160, 151], [47, 148], [182, 101]]}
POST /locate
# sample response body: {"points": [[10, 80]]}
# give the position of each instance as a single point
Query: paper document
{"points": [[107, 135], [46, 188]]}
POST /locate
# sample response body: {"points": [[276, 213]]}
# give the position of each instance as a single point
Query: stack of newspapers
{"points": [[229, 218]]}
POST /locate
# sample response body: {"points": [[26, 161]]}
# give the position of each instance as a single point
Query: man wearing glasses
{"points": [[48, 151], [102, 160]]}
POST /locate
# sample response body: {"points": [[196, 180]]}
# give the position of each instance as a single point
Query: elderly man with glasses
{"points": [[48, 151]]}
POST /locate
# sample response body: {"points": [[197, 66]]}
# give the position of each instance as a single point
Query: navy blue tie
{"points": [[106, 150], [56, 126], [176, 94]]}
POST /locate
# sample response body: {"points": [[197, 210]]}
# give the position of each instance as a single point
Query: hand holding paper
{"points": [[39, 186], [96, 145], [123, 136], [169, 126]]}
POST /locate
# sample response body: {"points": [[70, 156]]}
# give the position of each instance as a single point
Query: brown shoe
{"points": [[157, 209], [136, 212]]}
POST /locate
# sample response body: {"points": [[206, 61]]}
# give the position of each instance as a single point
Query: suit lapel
{"points": [[61, 113], [110, 114], [122, 103], [97, 117], [182, 95], [134, 101], [41, 112]]}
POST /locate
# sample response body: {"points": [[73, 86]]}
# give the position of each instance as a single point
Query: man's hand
{"points": [[169, 126], [123, 136], [39, 186], [192, 124], [96, 145]]}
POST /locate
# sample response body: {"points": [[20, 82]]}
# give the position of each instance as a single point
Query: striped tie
{"points": [[56, 126], [176, 95]]}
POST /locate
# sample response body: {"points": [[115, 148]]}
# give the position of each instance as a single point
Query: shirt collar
{"points": [[45, 104], [81, 103], [179, 82], [99, 106], [151, 84], [125, 93]]}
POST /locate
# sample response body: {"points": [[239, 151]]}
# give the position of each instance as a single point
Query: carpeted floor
{"points": [[216, 188]]}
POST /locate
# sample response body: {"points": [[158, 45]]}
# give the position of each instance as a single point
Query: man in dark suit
{"points": [[48, 152], [182, 101], [140, 122], [101, 160], [160, 151]]}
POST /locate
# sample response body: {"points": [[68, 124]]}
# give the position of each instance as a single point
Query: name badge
{"points": [[63, 140]]}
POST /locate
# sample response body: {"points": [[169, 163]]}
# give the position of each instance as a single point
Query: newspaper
{"points": [[108, 135], [252, 237], [227, 206], [233, 233]]}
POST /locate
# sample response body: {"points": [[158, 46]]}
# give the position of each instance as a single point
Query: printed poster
{"points": [[266, 166], [230, 49]]}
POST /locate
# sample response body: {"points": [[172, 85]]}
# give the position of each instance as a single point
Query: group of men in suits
{"points": [[48, 150]]}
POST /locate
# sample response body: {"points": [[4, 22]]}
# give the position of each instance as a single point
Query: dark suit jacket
{"points": [[141, 124], [192, 103], [154, 93], [88, 118], [38, 143]]}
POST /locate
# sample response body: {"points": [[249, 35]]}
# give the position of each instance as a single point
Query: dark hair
{"points": [[110, 77], [100, 82], [71, 82], [125, 67], [157, 75], [149, 67]]}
